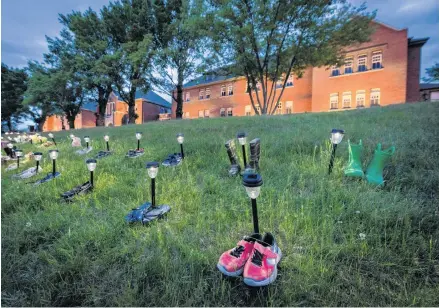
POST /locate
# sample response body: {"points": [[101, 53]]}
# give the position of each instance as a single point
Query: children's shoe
{"points": [[261, 269], [232, 262]]}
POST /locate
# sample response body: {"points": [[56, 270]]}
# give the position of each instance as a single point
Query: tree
{"points": [[266, 41], [93, 58], [184, 46], [14, 84], [130, 26], [432, 73]]}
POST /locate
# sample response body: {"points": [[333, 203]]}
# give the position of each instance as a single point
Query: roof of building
{"points": [[205, 79], [418, 41], [427, 86], [90, 106], [150, 97]]}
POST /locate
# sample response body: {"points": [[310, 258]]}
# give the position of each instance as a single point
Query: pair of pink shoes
{"points": [[255, 257]]}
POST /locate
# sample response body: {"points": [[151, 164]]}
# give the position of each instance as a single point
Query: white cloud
{"points": [[417, 6]]}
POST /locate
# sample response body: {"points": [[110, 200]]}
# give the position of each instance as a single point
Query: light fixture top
{"points": [[241, 135], [252, 180], [152, 164], [10, 145], [106, 138], [38, 156], [91, 164], [337, 135], [86, 138], [18, 152], [53, 154], [139, 135]]}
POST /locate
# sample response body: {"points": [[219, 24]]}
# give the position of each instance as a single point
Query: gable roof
{"points": [[427, 86], [207, 78], [417, 42], [92, 106], [150, 97]]}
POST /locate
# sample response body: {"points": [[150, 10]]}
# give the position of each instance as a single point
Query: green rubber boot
{"points": [[354, 167], [374, 172]]}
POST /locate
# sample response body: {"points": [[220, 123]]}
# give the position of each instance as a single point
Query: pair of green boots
{"points": [[374, 172]]}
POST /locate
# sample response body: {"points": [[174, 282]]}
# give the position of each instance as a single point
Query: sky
{"points": [[25, 23]]}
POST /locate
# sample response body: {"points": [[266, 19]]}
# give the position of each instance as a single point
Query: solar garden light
{"points": [[87, 140], [138, 137], [18, 153], [53, 154], [242, 139], [91, 165], [107, 138], [252, 183], [10, 146], [336, 138], [38, 156], [53, 138], [180, 140], [153, 169]]}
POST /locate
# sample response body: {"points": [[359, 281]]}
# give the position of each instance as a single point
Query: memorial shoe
{"points": [[261, 268], [374, 172], [255, 154], [354, 168], [232, 262], [235, 168]]}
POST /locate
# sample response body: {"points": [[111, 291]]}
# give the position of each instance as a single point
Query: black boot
{"points": [[255, 152], [235, 168]]}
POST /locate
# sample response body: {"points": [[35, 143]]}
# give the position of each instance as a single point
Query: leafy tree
{"points": [[14, 84], [93, 57], [266, 41], [432, 73], [184, 46], [130, 25]]}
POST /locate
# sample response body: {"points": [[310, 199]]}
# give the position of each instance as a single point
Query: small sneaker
{"points": [[261, 269], [232, 262]]}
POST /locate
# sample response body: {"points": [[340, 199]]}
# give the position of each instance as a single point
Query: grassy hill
{"points": [[57, 254]]}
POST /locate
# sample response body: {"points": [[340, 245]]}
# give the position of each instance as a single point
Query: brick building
{"points": [[380, 72], [149, 107]]}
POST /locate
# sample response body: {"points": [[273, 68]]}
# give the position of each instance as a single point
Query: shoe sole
{"points": [[223, 270], [261, 283]]}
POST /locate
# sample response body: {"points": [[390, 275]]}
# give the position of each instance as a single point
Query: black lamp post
{"points": [[252, 183], [91, 165], [153, 169], [242, 139], [18, 153], [87, 140], [180, 139], [138, 137], [336, 138], [107, 138], [38, 156], [53, 138], [53, 154]]}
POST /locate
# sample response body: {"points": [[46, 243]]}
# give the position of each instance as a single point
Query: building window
{"points": [[206, 113], [187, 115], [289, 107], [333, 99], [361, 98], [201, 95], [223, 90], [348, 65], [229, 112], [347, 99], [279, 84], [222, 112], [188, 96], [201, 113], [335, 71], [362, 63], [248, 110], [258, 109], [249, 85], [230, 90], [377, 59], [279, 108], [290, 81], [375, 96], [207, 93]]}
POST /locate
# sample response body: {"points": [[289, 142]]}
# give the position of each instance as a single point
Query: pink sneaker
{"points": [[232, 262], [261, 269]]}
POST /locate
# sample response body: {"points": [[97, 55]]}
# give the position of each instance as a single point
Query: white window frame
{"points": [[290, 81], [230, 112], [334, 69], [360, 95], [248, 110], [333, 100], [207, 113], [223, 91], [188, 116], [207, 93], [201, 94], [201, 113], [377, 57], [346, 100], [361, 59], [349, 63], [375, 95], [222, 112], [289, 107], [230, 90], [279, 108], [188, 97]]}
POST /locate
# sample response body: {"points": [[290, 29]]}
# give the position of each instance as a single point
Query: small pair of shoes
{"points": [[147, 213], [135, 153], [255, 257], [172, 160]]}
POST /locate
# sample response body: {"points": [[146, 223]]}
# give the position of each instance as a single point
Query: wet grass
{"points": [[58, 254]]}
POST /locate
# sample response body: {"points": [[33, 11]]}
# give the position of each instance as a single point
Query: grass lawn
{"points": [[57, 254]]}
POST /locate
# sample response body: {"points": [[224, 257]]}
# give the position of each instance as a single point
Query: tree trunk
{"points": [[179, 110], [132, 106], [9, 123], [102, 105], [71, 121]]}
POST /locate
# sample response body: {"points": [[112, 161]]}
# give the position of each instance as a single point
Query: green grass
{"points": [[57, 254]]}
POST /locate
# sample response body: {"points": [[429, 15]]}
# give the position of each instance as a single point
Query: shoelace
{"points": [[237, 251], [257, 257]]}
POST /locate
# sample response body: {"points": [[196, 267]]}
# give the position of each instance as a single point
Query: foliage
{"points": [[83, 254], [14, 84], [432, 73], [266, 41], [130, 26]]}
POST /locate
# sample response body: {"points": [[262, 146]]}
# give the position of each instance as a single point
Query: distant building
{"points": [[149, 107], [429, 91], [380, 72]]}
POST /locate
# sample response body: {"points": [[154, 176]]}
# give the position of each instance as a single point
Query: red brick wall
{"points": [[88, 118], [150, 111], [413, 71], [391, 79]]}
